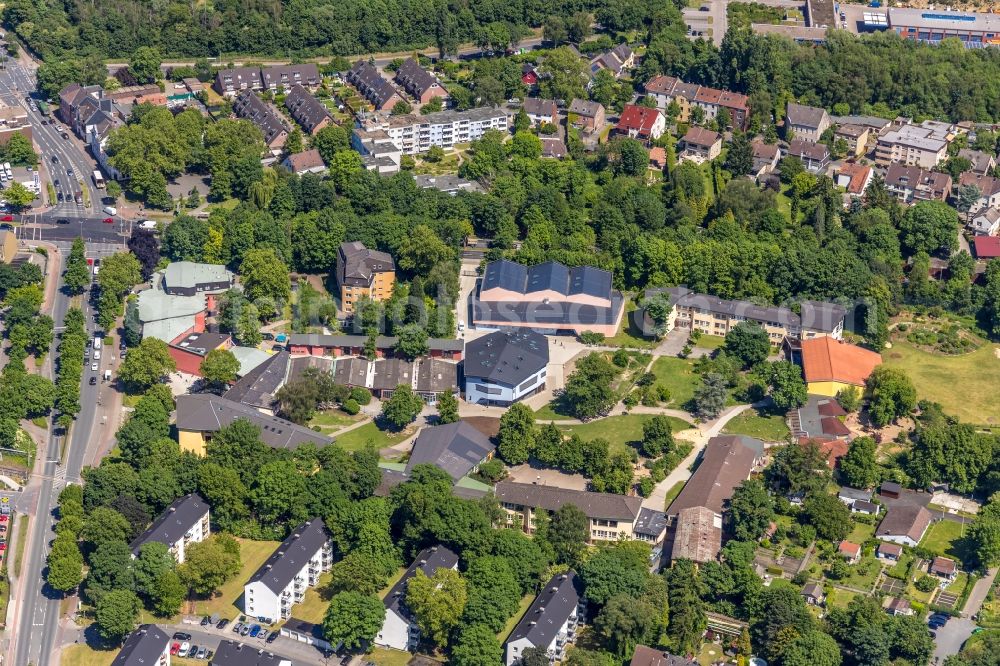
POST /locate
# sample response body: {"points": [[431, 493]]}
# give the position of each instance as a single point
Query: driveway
{"points": [[951, 637]]}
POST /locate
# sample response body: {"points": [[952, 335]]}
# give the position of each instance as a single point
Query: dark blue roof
{"points": [[591, 281], [505, 275], [548, 276]]}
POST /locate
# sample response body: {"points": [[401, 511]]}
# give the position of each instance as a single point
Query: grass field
{"points": [[383, 657], [839, 598], [678, 375], [628, 335], [330, 421], [861, 533], [945, 538], [672, 494], [83, 655], [768, 427], [522, 608], [863, 574], [358, 438], [620, 431], [710, 341], [936, 377], [252, 555], [313, 606], [22, 538]]}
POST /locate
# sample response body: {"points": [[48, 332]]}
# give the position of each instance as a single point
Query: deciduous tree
{"points": [[353, 619], [437, 602]]}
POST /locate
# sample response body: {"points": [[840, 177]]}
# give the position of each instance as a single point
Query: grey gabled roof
{"points": [[805, 116], [293, 553], [234, 653], [211, 413], [251, 107], [173, 523], [508, 357], [429, 560], [456, 448], [650, 522], [305, 109], [540, 107], [414, 78], [598, 506], [381, 342], [846, 492], [647, 656], [257, 387], [143, 647], [549, 611]]}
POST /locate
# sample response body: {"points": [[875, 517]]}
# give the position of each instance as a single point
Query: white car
{"points": [[185, 648], [97, 354], [93, 367]]}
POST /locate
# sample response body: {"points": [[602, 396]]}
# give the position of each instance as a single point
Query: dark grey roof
{"points": [[381, 342], [351, 371], [370, 83], [251, 107], [435, 375], [854, 493], [257, 387], [357, 265], [550, 610], [429, 560], [288, 75], [293, 554], [238, 75], [809, 151], [647, 656], [304, 628], [415, 79], [601, 506], [506, 275], [547, 276], [582, 107], [805, 116], [821, 316], [865, 506], [540, 107], [307, 111], [143, 647], [210, 413], [508, 357], [456, 448], [173, 523], [391, 372], [233, 653], [650, 522]]}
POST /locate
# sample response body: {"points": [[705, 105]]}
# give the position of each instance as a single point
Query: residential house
{"points": [[979, 161], [849, 495], [910, 183], [889, 551], [765, 157], [924, 146], [850, 551], [14, 120], [716, 316], [696, 513], [807, 123], [617, 61], [551, 622], [363, 273], [904, 524], [589, 116], [418, 82], [249, 106], [830, 365], [985, 222], [856, 136], [184, 522], [813, 594], [641, 122], [701, 145], [548, 297], [457, 448], [400, 630], [611, 517], [820, 419], [541, 111], [231, 82], [234, 653], [986, 247], [657, 158], [146, 646], [529, 76], [379, 152], [814, 156], [647, 656], [317, 344], [308, 161], [306, 110], [189, 278], [429, 377], [368, 81], [943, 567], [286, 77], [306, 632], [258, 386], [553, 148], [505, 366], [447, 183], [91, 113], [200, 416], [897, 606], [294, 566], [416, 134], [989, 188], [854, 178], [866, 507], [666, 89]]}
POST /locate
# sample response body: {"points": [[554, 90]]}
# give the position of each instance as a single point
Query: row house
{"points": [[911, 183], [618, 61], [418, 82], [231, 82], [667, 89], [282, 580], [249, 106], [368, 81], [306, 110], [989, 189]]}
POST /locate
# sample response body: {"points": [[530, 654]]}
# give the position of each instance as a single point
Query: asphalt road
{"points": [[38, 616], [47, 227]]}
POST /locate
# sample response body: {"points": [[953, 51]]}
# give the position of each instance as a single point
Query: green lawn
{"points": [[83, 655], [548, 413], [313, 607], [23, 524], [621, 431], [252, 555], [710, 341], [937, 375], [768, 427], [863, 574], [944, 537], [628, 335], [522, 608], [358, 438], [673, 493], [678, 375], [332, 420], [861, 533], [839, 598], [385, 657]]}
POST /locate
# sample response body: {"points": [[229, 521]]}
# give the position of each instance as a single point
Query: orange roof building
{"points": [[831, 365]]}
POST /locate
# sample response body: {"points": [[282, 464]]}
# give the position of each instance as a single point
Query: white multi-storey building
{"points": [[399, 630], [147, 646], [282, 580], [551, 621], [417, 134], [184, 522]]}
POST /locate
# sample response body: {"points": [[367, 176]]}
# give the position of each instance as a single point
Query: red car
{"points": [[3, 547], [3, 519], [109, 220], [8, 218], [175, 648]]}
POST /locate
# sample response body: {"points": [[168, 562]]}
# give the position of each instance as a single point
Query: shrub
{"points": [[591, 338], [360, 395], [620, 358], [926, 584], [351, 407], [492, 470], [646, 486]]}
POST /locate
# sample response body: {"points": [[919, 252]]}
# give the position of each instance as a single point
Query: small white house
{"points": [[282, 580], [904, 524], [986, 222], [399, 629], [184, 522], [551, 621]]}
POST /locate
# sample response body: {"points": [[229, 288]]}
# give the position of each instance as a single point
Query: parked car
{"points": [[205, 621], [238, 627], [273, 637], [222, 623], [193, 651], [185, 648], [202, 651], [263, 634], [7, 218], [93, 367], [181, 636], [245, 630], [254, 630], [175, 648]]}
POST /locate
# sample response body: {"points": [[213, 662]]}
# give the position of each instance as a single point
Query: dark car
{"points": [[222, 623], [69, 172], [62, 220], [93, 381], [59, 197], [55, 159], [273, 637], [193, 651], [181, 636], [205, 621]]}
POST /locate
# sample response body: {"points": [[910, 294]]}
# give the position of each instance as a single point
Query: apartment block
{"points": [[363, 273], [551, 621], [911, 183], [667, 89], [416, 134], [399, 630], [924, 145], [282, 580], [183, 523]]}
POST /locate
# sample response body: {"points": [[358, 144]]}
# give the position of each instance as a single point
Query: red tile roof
{"points": [[638, 119], [848, 548], [987, 247], [833, 449], [828, 360]]}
